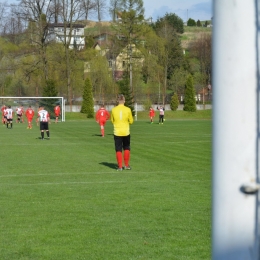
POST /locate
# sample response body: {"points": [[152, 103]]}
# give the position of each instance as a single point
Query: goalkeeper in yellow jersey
{"points": [[121, 118]]}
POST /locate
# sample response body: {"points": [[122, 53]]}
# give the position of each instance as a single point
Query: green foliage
{"points": [[172, 19], [189, 96], [88, 103], [174, 102], [124, 88], [49, 91], [191, 22], [198, 23], [131, 25], [89, 41], [147, 104], [176, 59]]}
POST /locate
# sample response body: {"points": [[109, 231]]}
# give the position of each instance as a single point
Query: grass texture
{"points": [[63, 199]]}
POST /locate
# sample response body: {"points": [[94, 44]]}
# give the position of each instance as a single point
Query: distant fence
{"points": [[77, 108]]}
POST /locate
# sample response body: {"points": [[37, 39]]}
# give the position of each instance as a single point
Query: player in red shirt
{"points": [[151, 114], [57, 112], [102, 116], [3, 108], [29, 113]]}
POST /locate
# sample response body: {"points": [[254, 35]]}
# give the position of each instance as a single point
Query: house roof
{"points": [[74, 25]]}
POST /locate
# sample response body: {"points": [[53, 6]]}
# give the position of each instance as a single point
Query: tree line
{"points": [[29, 61]]}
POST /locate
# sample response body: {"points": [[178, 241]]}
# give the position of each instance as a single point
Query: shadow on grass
{"points": [[109, 165], [101, 135]]}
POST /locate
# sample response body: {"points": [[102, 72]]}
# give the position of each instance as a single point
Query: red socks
{"points": [[119, 158], [126, 157]]}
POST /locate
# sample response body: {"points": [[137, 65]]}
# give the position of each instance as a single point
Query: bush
{"points": [[189, 96], [88, 103], [174, 102]]}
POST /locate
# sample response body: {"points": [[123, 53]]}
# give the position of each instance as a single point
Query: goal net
{"points": [[49, 104]]}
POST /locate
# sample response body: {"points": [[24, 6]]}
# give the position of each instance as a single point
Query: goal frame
{"points": [[62, 103]]}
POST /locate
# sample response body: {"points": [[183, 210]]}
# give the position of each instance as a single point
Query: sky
{"points": [[195, 9], [185, 9]]}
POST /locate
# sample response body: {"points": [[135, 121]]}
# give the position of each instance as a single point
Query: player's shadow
{"points": [[101, 135], [109, 165]]}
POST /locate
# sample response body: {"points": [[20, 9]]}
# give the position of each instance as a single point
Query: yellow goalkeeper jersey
{"points": [[121, 117]]}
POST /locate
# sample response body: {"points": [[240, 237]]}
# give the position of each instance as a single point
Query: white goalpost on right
{"points": [[36, 101]]}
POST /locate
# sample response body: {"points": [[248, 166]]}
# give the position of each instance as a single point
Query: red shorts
{"points": [[102, 122]]}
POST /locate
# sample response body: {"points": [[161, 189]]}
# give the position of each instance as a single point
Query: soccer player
{"points": [[57, 112], [19, 114], [9, 117], [29, 113], [121, 117], [3, 108], [102, 116], [44, 118], [161, 114], [151, 114]]}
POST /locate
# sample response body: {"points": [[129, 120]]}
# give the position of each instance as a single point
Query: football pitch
{"points": [[63, 198]]}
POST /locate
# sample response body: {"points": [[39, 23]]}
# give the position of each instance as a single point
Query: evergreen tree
{"points": [[191, 22], [49, 91], [198, 23], [124, 89], [189, 96], [172, 19], [174, 102], [88, 103]]}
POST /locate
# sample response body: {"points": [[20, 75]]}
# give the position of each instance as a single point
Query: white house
{"points": [[57, 33]]}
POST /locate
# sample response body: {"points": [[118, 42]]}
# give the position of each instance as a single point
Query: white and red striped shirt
{"points": [[9, 113], [43, 116]]}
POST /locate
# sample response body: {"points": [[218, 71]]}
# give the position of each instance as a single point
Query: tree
{"points": [[100, 7], [189, 98], [115, 7], [174, 102], [191, 22], [198, 23], [201, 50], [124, 89], [49, 91], [88, 6], [88, 103], [39, 15], [131, 27], [70, 12], [172, 56], [172, 19], [178, 80], [100, 78]]}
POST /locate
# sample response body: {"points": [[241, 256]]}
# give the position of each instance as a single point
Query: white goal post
{"points": [[34, 102]]}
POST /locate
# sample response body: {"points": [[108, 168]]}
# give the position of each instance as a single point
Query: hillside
{"points": [[190, 33]]}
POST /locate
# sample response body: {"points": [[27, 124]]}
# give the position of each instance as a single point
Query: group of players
{"points": [[8, 114]]}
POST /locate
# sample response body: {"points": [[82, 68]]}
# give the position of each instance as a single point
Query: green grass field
{"points": [[63, 199]]}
